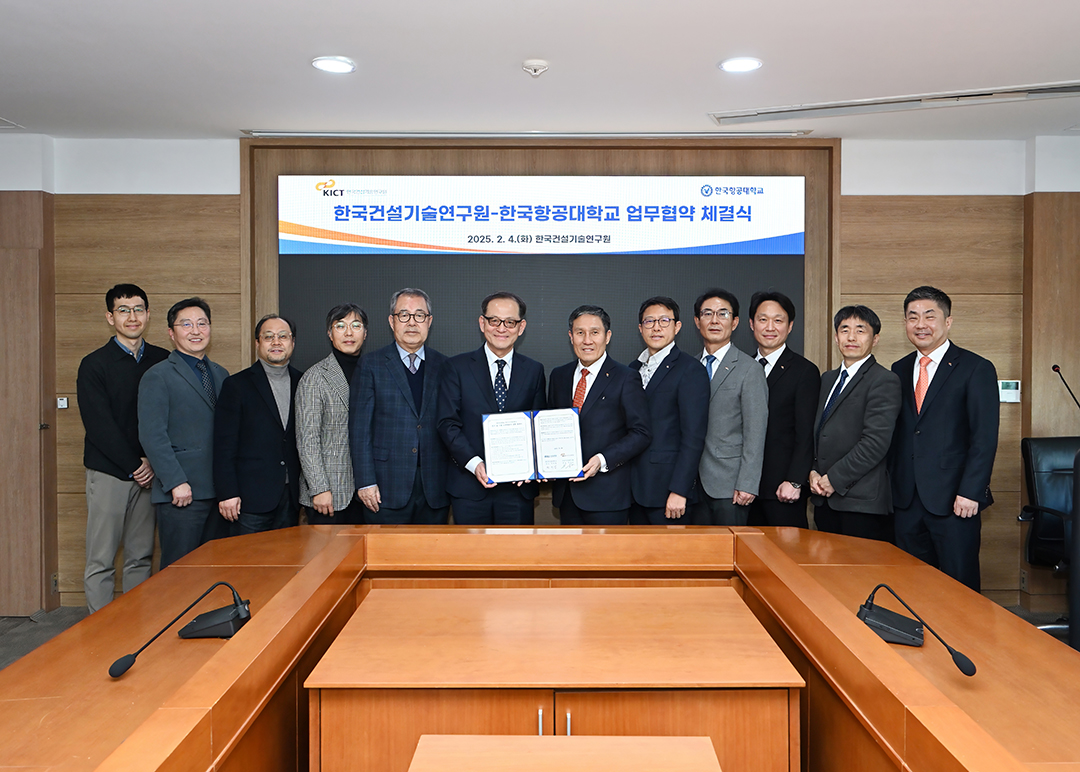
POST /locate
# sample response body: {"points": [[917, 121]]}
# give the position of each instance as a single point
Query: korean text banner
{"points": [[540, 215]]}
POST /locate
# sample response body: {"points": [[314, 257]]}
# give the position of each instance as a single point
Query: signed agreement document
{"points": [[528, 445]]}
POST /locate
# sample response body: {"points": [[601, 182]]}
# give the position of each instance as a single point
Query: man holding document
{"points": [[493, 379], [614, 423]]}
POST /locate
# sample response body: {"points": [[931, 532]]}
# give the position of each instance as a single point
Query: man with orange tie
{"points": [[614, 423], [945, 441]]}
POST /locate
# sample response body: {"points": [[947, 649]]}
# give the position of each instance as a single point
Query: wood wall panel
{"points": [[962, 244], [816, 160], [176, 245]]}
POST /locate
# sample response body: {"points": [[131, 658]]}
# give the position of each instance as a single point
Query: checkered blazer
{"points": [[322, 433]]}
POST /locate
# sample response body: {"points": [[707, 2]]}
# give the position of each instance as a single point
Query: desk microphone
{"points": [[897, 628], [1057, 370], [223, 622]]}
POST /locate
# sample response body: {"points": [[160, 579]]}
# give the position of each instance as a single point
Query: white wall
{"points": [[868, 167]]}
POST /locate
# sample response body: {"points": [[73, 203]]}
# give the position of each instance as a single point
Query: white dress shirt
{"points": [[935, 359], [771, 359]]}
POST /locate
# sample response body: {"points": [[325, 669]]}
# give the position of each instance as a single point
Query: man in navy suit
{"points": [[399, 462], [794, 383], [945, 441], [663, 478], [256, 465], [614, 421], [492, 379]]}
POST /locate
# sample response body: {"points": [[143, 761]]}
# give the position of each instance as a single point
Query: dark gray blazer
{"points": [[176, 427], [852, 445]]}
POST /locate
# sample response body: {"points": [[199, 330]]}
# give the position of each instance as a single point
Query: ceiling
{"points": [[198, 69]]}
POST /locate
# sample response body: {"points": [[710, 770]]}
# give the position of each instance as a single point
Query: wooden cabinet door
{"points": [[750, 728], [376, 730]]}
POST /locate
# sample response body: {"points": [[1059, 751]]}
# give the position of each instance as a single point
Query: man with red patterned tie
{"points": [[614, 423], [945, 441]]}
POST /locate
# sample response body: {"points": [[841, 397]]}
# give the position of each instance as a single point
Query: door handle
{"points": [[568, 723], [540, 721]]}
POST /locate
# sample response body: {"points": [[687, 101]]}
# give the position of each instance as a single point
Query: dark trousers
{"points": [[774, 512], [183, 529], [861, 524], [416, 511], [948, 543], [501, 505], [710, 511], [571, 514], [285, 515], [351, 515], [640, 515]]}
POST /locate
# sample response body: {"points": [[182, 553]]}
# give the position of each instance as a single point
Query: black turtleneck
{"points": [[347, 363]]}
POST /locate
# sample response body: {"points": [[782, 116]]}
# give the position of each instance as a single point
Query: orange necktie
{"points": [[922, 384], [579, 392]]}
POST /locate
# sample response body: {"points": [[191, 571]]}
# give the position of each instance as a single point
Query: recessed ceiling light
{"points": [[740, 64], [335, 64]]}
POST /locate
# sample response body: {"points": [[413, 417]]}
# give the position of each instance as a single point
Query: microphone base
{"points": [[892, 627], [220, 623]]}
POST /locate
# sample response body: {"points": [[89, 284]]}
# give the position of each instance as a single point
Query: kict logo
{"points": [[327, 188]]}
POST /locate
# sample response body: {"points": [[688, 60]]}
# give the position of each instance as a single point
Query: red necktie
{"points": [[922, 384], [579, 392]]}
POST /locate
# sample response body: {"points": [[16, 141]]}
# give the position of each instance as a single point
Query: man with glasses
{"points": [[662, 479], [730, 468], [256, 464], [492, 379], [118, 474], [399, 462], [177, 398]]}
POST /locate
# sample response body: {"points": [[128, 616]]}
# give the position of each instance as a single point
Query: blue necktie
{"points": [[832, 399], [711, 360], [500, 385]]}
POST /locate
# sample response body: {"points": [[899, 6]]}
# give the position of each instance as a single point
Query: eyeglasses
{"points": [[356, 325], [187, 326], [496, 322], [663, 321], [708, 313], [419, 316], [128, 310], [270, 337]]}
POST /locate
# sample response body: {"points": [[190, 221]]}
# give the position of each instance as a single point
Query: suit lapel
{"points": [[849, 387], [662, 370], [478, 366], [944, 370], [603, 378], [724, 367], [185, 371], [262, 385], [335, 378], [780, 368], [397, 374]]}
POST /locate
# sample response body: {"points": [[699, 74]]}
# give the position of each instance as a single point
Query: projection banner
{"points": [[540, 215]]}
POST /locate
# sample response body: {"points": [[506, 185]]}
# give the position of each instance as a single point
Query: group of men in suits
{"points": [[722, 438]]}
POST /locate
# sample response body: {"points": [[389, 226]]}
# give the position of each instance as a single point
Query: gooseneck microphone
{"points": [[896, 628], [1057, 370], [219, 623]]}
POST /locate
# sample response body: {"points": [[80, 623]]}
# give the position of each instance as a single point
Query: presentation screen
{"points": [[558, 242]]}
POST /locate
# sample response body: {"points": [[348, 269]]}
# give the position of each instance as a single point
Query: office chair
{"points": [[1048, 471]]}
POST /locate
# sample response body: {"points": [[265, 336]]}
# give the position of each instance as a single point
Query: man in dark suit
{"points": [[849, 482], [614, 421], [176, 429], [492, 379], [399, 461], [256, 466], [794, 383], [945, 442], [663, 478]]}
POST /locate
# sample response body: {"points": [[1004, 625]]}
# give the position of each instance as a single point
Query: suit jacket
{"points": [[678, 399], [738, 418], [322, 434], [253, 452], [176, 427], [465, 395], [614, 421], [794, 386], [948, 449], [388, 430], [853, 443]]}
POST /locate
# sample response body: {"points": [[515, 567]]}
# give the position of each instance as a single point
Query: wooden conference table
{"points": [[240, 704]]}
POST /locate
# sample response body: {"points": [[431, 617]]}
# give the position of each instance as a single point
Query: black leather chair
{"points": [[1048, 471]]}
